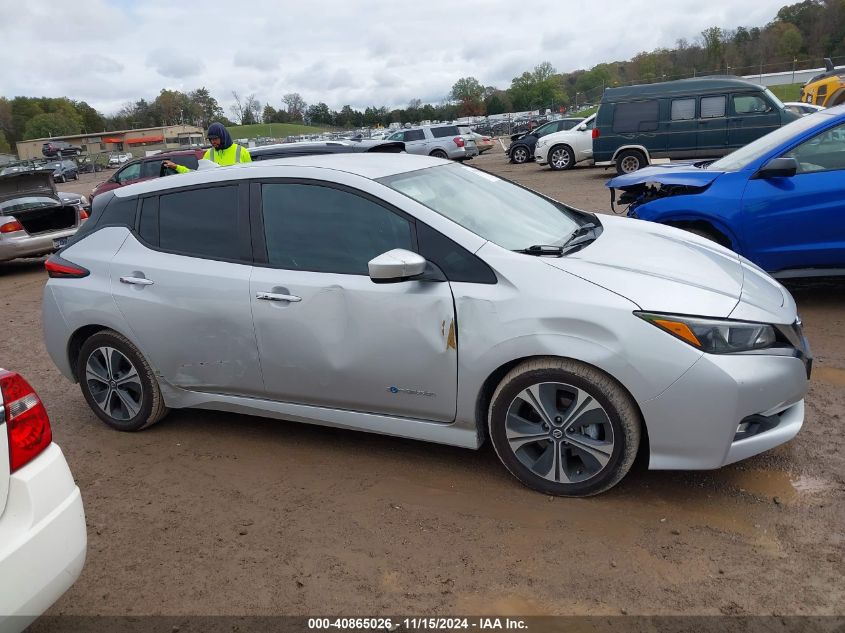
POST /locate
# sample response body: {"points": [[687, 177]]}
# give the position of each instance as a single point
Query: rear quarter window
{"points": [[635, 116], [442, 132]]}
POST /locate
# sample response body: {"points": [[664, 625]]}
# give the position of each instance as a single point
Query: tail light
{"points": [[58, 267], [11, 227], [26, 420], [458, 141], [596, 132], [83, 214]]}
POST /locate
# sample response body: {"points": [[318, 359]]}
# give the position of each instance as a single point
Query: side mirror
{"points": [[782, 167], [396, 265], [582, 127]]}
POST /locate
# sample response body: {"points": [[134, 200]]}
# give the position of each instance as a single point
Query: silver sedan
{"points": [[409, 296]]}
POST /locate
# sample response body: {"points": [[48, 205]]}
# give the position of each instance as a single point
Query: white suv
{"points": [[562, 150], [440, 141]]}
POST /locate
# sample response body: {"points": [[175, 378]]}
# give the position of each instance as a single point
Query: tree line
{"points": [[804, 31]]}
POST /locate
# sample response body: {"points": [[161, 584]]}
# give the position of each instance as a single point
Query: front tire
{"points": [[563, 427], [118, 383], [561, 157], [520, 155]]}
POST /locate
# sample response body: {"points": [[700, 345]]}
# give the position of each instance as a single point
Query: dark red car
{"points": [[147, 168]]}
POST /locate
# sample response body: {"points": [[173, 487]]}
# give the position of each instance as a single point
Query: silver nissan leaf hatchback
{"points": [[414, 297]]}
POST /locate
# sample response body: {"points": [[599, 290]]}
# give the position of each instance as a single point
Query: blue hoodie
{"points": [[217, 129]]}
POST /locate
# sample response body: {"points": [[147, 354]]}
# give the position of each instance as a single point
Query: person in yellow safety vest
{"points": [[223, 150]]}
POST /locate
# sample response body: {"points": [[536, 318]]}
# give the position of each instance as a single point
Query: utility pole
{"points": [[794, 59]]}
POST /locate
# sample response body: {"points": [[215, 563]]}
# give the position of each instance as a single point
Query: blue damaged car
{"points": [[779, 201]]}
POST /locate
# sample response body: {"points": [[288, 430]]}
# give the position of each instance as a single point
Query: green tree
{"points": [[52, 124], [789, 39], [470, 93], [92, 121], [205, 108], [713, 48], [5, 148], [498, 102]]}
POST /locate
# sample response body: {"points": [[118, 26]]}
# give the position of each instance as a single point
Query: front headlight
{"points": [[83, 200], [715, 336]]}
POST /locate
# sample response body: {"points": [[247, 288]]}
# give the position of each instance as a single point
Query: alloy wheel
{"points": [[560, 158], [520, 155], [114, 383], [559, 432]]}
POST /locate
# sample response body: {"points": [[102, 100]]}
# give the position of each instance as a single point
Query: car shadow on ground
{"points": [[18, 266], [476, 468]]}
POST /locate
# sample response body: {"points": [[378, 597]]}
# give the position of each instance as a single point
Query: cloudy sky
{"points": [[357, 52]]}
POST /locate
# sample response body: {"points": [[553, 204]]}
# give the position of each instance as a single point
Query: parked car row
{"points": [[689, 118]]}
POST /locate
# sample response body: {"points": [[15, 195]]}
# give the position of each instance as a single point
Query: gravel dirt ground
{"points": [[215, 513]]}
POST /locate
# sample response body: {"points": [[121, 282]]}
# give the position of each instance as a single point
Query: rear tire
{"points": [[439, 153], [561, 157], [629, 161], [118, 383], [563, 427]]}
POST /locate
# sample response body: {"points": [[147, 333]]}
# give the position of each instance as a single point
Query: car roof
{"points": [[367, 165], [678, 87]]}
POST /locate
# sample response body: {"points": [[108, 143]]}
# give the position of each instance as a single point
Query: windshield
{"points": [[774, 99], [22, 204], [741, 158], [495, 209]]}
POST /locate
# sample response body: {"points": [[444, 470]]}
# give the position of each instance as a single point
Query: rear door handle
{"points": [[136, 281], [273, 296]]}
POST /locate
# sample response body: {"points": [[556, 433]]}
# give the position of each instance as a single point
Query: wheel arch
{"points": [[77, 340], [639, 148], [725, 236], [488, 387], [837, 98]]}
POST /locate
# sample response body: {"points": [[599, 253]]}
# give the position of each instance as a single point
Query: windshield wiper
{"points": [[542, 250], [581, 231]]}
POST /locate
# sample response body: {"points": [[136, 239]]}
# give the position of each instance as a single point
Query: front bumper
{"points": [[21, 244], [540, 154], [42, 539], [694, 423]]}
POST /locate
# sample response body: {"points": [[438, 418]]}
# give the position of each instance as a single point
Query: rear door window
{"points": [[635, 116], [683, 109], [713, 107], [198, 223], [414, 135]]}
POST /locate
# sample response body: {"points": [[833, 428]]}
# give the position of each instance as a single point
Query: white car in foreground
{"points": [[42, 523], [563, 150]]}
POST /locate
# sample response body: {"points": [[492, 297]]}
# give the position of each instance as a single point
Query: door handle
{"points": [[136, 281], [273, 296]]}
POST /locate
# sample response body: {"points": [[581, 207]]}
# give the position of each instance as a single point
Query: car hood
{"points": [[670, 174], [664, 269], [28, 183]]}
